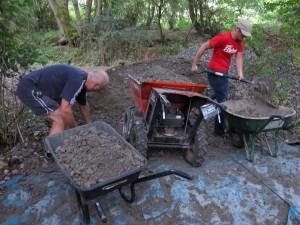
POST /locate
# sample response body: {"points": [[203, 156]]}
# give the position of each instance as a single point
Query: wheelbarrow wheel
{"points": [[138, 137], [236, 140], [195, 155], [128, 120]]}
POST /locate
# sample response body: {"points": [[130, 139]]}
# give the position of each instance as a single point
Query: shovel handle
{"points": [[226, 75]]}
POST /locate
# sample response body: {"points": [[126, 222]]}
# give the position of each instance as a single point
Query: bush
{"points": [[274, 57]]}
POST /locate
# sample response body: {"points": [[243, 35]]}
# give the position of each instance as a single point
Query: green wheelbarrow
{"points": [[245, 123]]}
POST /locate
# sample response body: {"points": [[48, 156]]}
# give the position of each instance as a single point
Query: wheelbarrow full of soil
{"points": [[97, 160], [247, 118]]}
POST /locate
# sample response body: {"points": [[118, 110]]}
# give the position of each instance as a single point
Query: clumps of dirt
{"points": [[92, 157], [265, 89], [159, 73], [255, 108]]}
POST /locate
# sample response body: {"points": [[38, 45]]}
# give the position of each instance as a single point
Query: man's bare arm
{"points": [[239, 65], [199, 54], [86, 112], [65, 109]]}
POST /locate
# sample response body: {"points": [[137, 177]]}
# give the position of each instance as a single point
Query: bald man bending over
{"points": [[52, 91]]}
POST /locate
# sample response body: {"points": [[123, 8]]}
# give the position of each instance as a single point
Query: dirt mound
{"points": [[159, 73]]}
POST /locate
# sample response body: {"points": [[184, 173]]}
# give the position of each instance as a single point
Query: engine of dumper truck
{"points": [[170, 126], [171, 118]]}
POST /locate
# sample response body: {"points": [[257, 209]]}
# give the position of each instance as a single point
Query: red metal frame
{"points": [[142, 91]]}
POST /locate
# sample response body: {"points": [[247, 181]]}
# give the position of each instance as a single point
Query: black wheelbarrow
{"points": [[128, 179], [244, 128]]}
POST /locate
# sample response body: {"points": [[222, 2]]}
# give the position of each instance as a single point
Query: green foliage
{"points": [[183, 24], [122, 45], [288, 13], [43, 16], [171, 48], [274, 56], [16, 54]]}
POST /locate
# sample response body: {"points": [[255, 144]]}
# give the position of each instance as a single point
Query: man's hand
{"points": [[86, 112], [194, 68], [240, 76]]}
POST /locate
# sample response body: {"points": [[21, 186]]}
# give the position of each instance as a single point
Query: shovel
{"points": [[261, 89], [227, 75]]}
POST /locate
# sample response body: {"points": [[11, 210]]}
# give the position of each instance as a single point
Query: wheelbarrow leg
{"points": [[83, 207], [273, 150], [250, 150], [276, 144]]}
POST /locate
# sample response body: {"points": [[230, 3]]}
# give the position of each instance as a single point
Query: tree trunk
{"points": [[95, 8], [171, 21], [53, 5], [150, 13], [63, 13], [159, 16], [99, 7], [78, 18], [194, 16], [89, 4]]}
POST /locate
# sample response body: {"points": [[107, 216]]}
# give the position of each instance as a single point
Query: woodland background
{"points": [[34, 33]]}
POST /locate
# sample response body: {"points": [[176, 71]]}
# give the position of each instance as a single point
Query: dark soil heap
{"points": [[91, 157], [159, 73], [264, 89]]}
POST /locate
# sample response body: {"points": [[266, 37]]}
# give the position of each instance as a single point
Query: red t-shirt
{"points": [[224, 47]]}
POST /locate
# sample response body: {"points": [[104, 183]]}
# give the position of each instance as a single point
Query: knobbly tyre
{"points": [[169, 115]]}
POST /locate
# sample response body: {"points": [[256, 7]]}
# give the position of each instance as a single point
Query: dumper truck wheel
{"points": [[236, 138], [195, 155], [128, 121], [138, 137]]}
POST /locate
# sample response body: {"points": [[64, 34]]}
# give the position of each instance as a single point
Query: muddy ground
{"points": [[110, 104]]}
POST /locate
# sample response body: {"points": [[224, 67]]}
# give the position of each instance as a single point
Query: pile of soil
{"points": [[159, 73], [255, 108], [94, 157], [264, 89]]}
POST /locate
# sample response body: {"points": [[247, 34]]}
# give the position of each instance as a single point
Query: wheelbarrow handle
{"points": [[130, 198], [271, 118], [226, 75]]}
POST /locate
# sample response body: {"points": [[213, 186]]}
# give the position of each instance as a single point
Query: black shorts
{"points": [[33, 98]]}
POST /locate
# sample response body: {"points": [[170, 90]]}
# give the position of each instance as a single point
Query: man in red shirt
{"points": [[224, 46]]}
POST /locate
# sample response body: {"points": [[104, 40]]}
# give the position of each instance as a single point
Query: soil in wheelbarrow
{"points": [[92, 157], [255, 108]]}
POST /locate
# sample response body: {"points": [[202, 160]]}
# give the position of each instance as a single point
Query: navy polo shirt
{"points": [[61, 82]]}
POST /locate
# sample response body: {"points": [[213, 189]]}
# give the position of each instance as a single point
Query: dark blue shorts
{"points": [[33, 98]]}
